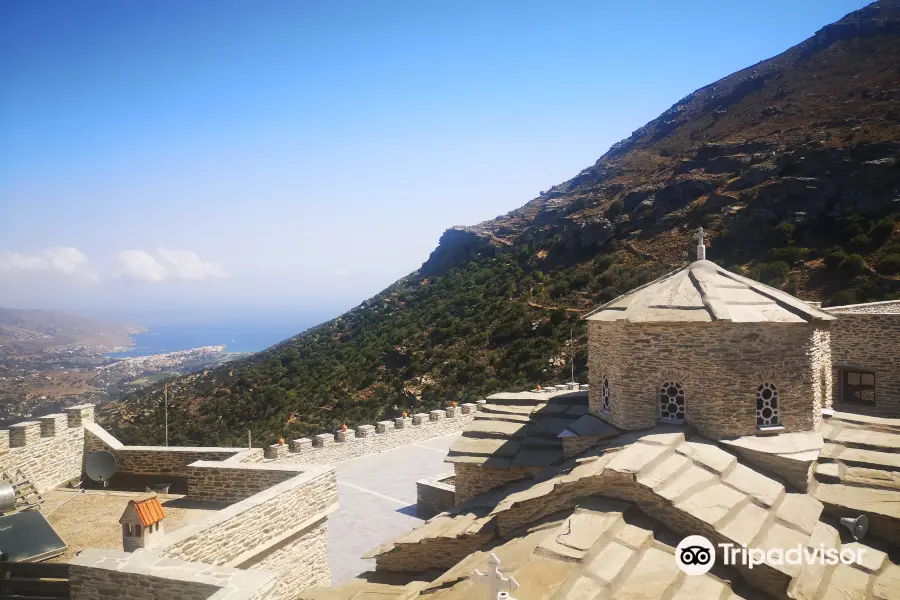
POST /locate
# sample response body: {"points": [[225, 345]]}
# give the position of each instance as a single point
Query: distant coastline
{"points": [[239, 336]]}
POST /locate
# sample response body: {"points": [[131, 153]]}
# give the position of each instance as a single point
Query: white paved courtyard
{"points": [[377, 497]]}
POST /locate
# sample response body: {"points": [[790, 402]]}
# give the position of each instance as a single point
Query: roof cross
{"points": [[701, 246], [497, 582]]}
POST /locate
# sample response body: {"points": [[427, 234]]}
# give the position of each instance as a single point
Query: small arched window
{"points": [[604, 395], [671, 402], [767, 405]]}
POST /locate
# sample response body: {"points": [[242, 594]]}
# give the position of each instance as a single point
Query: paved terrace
{"points": [[377, 497]]}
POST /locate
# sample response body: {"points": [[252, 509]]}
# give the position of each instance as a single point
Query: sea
{"points": [[242, 333]]}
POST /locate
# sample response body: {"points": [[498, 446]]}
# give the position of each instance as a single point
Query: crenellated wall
{"points": [[49, 449], [329, 448]]}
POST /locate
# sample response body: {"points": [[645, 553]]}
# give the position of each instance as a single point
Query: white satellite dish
{"points": [[100, 466]]}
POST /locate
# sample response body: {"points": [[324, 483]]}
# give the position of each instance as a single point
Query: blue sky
{"points": [[304, 155]]}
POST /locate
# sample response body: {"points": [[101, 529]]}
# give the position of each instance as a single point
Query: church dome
{"points": [[705, 292]]}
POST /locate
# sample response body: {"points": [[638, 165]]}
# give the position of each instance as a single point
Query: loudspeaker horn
{"points": [[858, 526]]}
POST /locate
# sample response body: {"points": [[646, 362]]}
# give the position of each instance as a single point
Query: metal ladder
{"points": [[27, 496]]}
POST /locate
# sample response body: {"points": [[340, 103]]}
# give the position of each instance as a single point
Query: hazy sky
{"points": [[272, 154]]}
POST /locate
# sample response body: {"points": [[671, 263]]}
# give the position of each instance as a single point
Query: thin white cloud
{"points": [[168, 264], [341, 272], [187, 265], [65, 260], [141, 265]]}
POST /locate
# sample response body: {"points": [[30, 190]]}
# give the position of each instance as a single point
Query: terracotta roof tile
{"points": [[150, 511]]}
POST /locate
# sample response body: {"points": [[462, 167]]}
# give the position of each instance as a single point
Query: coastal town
{"points": [[50, 361]]}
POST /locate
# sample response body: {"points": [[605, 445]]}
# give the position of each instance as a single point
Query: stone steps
{"points": [[865, 421], [881, 506], [691, 486], [842, 473], [862, 439]]}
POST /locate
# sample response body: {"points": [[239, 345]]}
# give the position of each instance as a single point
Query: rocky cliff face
{"points": [[812, 133], [792, 165]]}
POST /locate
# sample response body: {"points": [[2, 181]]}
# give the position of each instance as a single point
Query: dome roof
{"points": [[705, 292]]}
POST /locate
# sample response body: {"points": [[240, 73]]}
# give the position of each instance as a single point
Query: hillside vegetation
{"points": [[792, 165]]}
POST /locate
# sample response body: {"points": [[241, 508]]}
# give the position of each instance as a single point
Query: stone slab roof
{"points": [[520, 429], [887, 307], [858, 472], [704, 292], [605, 524]]}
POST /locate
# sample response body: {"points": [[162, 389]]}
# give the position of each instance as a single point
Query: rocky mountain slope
{"points": [[792, 165]]}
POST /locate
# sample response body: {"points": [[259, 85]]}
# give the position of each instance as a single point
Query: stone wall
{"points": [[241, 532], [114, 575], [155, 460], [870, 340], [719, 365], [48, 449], [435, 495], [328, 448], [300, 562], [472, 480], [225, 482]]}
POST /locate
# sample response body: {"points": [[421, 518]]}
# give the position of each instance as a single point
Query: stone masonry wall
{"points": [[434, 496], [871, 341], [300, 562], [48, 450], [116, 575], [238, 533], [213, 481], [720, 365], [330, 448], [153, 460], [472, 480]]}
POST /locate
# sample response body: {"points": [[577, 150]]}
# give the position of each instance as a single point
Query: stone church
{"points": [[732, 357]]}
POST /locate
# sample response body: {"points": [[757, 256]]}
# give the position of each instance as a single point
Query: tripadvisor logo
{"points": [[696, 555]]}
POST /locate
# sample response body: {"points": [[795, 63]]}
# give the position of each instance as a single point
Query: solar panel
{"points": [[28, 537]]}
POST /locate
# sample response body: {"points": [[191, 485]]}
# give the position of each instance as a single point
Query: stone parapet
{"points": [[301, 444], [48, 451], [276, 450], [168, 461], [364, 431], [80, 415], [384, 435], [344, 435], [53, 424], [115, 575], [323, 440], [24, 434], [402, 422], [287, 500], [434, 495]]}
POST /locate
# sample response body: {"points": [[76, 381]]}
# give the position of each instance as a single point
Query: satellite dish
{"points": [[100, 466]]}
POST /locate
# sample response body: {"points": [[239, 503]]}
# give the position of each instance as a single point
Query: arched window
{"points": [[671, 402], [767, 405], [604, 395]]}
